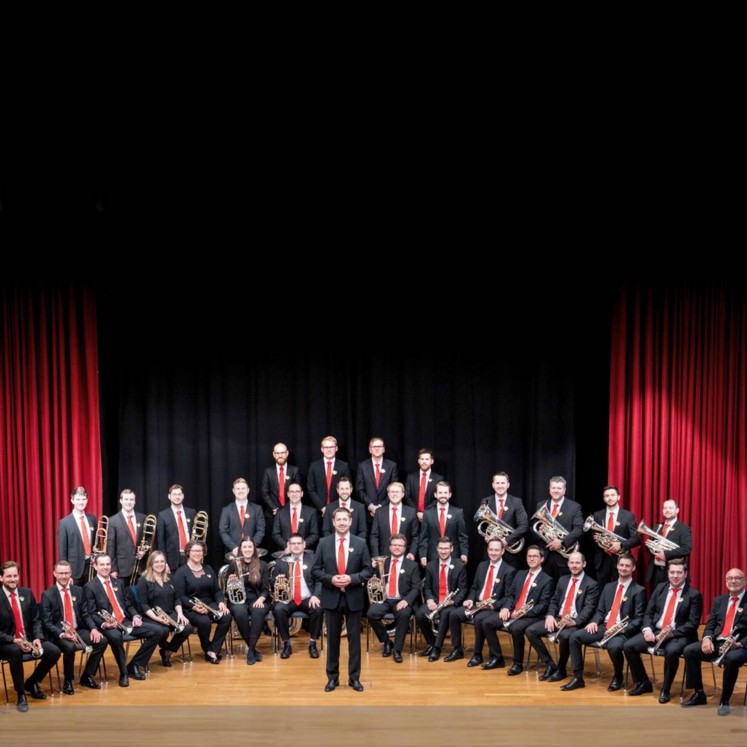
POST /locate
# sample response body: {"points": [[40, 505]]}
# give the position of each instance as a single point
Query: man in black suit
{"points": [[295, 518], [76, 536], [443, 520], [620, 522], [510, 509], [567, 514], [62, 602], [571, 607], [305, 595], [273, 488], [420, 489], [343, 565], [125, 533], [103, 593], [394, 518], [443, 576], [675, 532], [620, 600], [726, 622], [241, 519], [174, 528], [21, 629], [357, 510], [325, 473], [675, 602], [374, 475], [400, 591]]}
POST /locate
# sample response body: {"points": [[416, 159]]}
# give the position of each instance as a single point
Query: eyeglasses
{"points": [[735, 578]]}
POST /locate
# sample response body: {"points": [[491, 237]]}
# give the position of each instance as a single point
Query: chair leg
{"points": [[5, 683]]}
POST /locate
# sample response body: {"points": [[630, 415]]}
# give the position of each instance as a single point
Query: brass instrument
{"points": [[29, 648], [516, 614], [200, 527], [611, 632], [496, 528], [214, 613], [550, 529], [603, 537], [282, 591], [71, 631], [655, 542], [433, 616], [109, 618], [564, 622], [375, 585], [146, 542], [99, 544], [166, 620], [664, 634], [724, 649], [481, 605]]}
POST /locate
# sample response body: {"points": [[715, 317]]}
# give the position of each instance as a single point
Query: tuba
{"points": [[200, 527], [491, 527], [603, 537], [611, 632], [550, 529], [146, 542], [375, 585], [655, 542], [435, 614], [99, 545]]}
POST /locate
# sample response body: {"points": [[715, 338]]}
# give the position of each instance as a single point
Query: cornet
{"points": [[375, 585], [216, 614], [481, 605], [724, 649], [436, 613], [492, 527], [603, 537], [29, 648], [664, 634], [109, 618], [146, 542], [550, 529], [516, 614], [71, 631], [565, 621], [655, 542], [611, 632], [99, 545], [168, 621]]}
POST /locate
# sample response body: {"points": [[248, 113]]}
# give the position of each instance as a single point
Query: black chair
{"points": [[388, 619]]}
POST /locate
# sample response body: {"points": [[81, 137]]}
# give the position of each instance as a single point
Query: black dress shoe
{"points": [[475, 661], [67, 688], [214, 659], [615, 685], [426, 651], [549, 672], [257, 656], [515, 669], [698, 698], [22, 704], [35, 691], [494, 663], [313, 651], [664, 696], [723, 708], [251, 657], [331, 685], [456, 653], [165, 658], [356, 685], [387, 650], [124, 681], [574, 684], [640, 688], [397, 656], [287, 650], [557, 675], [435, 654], [87, 681], [135, 672]]}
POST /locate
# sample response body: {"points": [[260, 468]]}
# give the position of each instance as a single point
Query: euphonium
{"points": [[99, 544], [516, 614], [216, 614], [655, 542], [71, 631], [281, 589], [109, 618], [29, 648], [550, 529], [433, 616], [496, 528], [200, 527], [564, 622], [375, 585], [611, 632], [603, 537], [146, 542], [168, 621], [481, 605], [724, 649], [664, 634]]}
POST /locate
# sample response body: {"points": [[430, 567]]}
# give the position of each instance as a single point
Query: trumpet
{"points": [[611, 632], [550, 529], [492, 527], [215, 614], [603, 537], [655, 542], [71, 631], [564, 622], [166, 620], [29, 648], [724, 649], [433, 616], [146, 542], [483, 604], [375, 585], [99, 545], [200, 527], [664, 634], [109, 618], [516, 614]]}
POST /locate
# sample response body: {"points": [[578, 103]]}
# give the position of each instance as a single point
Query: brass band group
{"points": [[382, 548]]}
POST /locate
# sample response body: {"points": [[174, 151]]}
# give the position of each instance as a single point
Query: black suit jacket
{"points": [[514, 514], [119, 544], [625, 527], [682, 536], [308, 526], [632, 606], [412, 489], [501, 583], [540, 593], [95, 599], [70, 542], [358, 568], [231, 530], [317, 481], [717, 617], [307, 567], [29, 614], [269, 488], [687, 616], [456, 580], [53, 613], [409, 579], [430, 532], [365, 482], [587, 595], [381, 531], [571, 518], [167, 535], [358, 516]]}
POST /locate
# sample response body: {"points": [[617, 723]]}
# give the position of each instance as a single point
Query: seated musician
{"points": [[155, 590], [63, 623]]}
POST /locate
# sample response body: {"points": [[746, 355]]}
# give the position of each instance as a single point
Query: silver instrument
{"points": [[434, 615], [71, 631], [656, 542], [550, 529], [516, 614], [663, 635], [564, 622], [483, 604], [214, 613], [603, 537], [282, 590], [724, 649], [492, 527], [109, 618], [29, 648], [611, 632], [375, 585], [168, 621]]}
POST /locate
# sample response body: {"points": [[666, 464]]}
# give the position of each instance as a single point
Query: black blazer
{"points": [[150, 594], [717, 617], [681, 535], [317, 481], [358, 516], [587, 595], [167, 535], [430, 532], [409, 579], [381, 531], [571, 518], [29, 614], [358, 568], [53, 613], [308, 526], [269, 488], [501, 583], [315, 586], [455, 581], [540, 592], [632, 606], [119, 544], [365, 482], [687, 616], [231, 530], [514, 514], [412, 489], [70, 542], [96, 598], [625, 527]]}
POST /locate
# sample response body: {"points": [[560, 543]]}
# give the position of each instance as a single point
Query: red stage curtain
{"points": [[49, 420], [678, 417]]}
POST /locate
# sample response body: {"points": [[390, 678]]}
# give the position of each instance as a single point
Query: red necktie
{"points": [[488, 590], [20, 630], [443, 584], [297, 582], [182, 533], [393, 579], [442, 521], [729, 621], [329, 480], [86, 532], [669, 613], [395, 521], [294, 520], [116, 609], [68, 604], [615, 611], [133, 531], [569, 598], [281, 486], [667, 530], [378, 475], [610, 528], [421, 494], [524, 590], [554, 509], [341, 557], [242, 516]]}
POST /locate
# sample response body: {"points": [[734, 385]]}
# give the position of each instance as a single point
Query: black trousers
{"points": [[14, 656], [401, 621], [613, 647], [70, 650], [352, 619], [672, 648], [282, 613], [733, 660], [204, 624], [535, 634], [145, 632]]}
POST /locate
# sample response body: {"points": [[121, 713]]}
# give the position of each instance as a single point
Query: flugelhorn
{"points": [[724, 649], [375, 585], [603, 537], [564, 622], [99, 544], [109, 618], [550, 529], [29, 648], [200, 527], [434, 615], [216, 614], [656, 542], [611, 632], [664, 634], [168, 621], [146, 542], [490, 526], [516, 614], [72, 632]]}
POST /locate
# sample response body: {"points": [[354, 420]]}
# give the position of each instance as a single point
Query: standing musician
{"points": [[304, 596], [672, 530], [76, 536], [420, 488], [325, 473], [248, 577], [401, 587], [444, 576], [63, 603], [511, 510], [295, 518], [198, 592], [395, 518], [374, 475], [173, 528], [241, 519], [107, 595], [620, 600], [125, 532], [443, 520], [357, 510], [20, 631], [154, 589], [274, 484]]}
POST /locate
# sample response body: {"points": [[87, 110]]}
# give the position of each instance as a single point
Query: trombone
{"points": [[99, 545], [146, 542], [200, 527]]}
